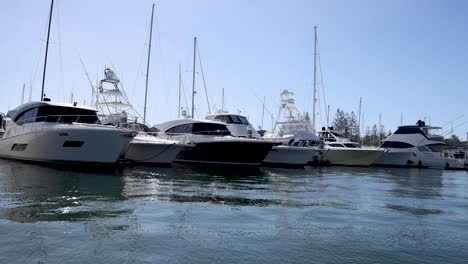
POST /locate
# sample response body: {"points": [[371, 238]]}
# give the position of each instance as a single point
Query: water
{"points": [[193, 215]]}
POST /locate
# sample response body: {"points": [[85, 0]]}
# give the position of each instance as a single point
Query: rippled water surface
{"points": [[200, 215]]}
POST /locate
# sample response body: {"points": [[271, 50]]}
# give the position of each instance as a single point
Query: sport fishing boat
{"points": [[213, 143], [116, 110], [57, 132], [423, 146], [339, 150]]}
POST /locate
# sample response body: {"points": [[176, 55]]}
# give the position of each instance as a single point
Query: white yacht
{"points": [[116, 109], [339, 150], [425, 148], [56, 132], [213, 143]]}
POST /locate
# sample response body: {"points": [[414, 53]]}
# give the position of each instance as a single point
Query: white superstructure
{"points": [[424, 146]]}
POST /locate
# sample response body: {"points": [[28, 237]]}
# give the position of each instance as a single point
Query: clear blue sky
{"points": [[407, 57]]}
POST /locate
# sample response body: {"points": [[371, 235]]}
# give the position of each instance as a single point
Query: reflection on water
{"points": [[36, 193], [199, 214]]}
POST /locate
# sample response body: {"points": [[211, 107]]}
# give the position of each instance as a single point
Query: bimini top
{"points": [[20, 109], [170, 124]]}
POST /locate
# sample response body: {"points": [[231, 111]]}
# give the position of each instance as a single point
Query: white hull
{"points": [[351, 156], [288, 155], [391, 158], [150, 150], [68, 143], [434, 161]]}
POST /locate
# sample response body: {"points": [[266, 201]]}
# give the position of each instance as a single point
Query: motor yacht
{"points": [[284, 153], [117, 110], [339, 150], [213, 143], [423, 146], [46, 131]]}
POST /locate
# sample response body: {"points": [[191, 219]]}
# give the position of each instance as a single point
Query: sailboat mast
{"points": [[222, 102], [263, 110], [148, 64], [22, 94], [193, 75], [315, 79], [180, 85], [47, 49]]}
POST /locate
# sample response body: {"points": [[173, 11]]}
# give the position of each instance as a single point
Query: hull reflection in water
{"points": [[37, 193]]}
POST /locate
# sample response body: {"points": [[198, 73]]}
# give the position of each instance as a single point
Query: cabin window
{"points": [[410, 130], [210, 129], [351, 145], [28, 116], [396, 144], [424, 149], [335, 145], [436, 147], [68, 115], [180, 129]]}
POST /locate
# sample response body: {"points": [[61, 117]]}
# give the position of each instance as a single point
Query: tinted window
{"points": [[396, 144], [335, 145], [180, 129], [49, 113], [436, 147], [210, 129], [409, 130], [350, 145], [424, 149], [243, 120], [28, 116]]}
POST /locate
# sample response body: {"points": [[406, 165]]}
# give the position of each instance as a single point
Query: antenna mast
{"points": [[148, 64], [315, 79], [193, 75], [180, 85], [47, 49]]}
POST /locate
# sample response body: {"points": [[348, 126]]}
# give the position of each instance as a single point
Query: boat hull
{"points": [[394, 159], [290, 156], [351, 156], [250, 153], [153, 153], [68, 145]]}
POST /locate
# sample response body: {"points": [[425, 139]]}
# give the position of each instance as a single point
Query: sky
{"points": [[408, 60]]}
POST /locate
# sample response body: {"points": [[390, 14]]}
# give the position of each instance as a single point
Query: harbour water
{"points": [[200, 215]]}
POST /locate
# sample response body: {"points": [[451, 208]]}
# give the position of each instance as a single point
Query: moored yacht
{"points": [[56, 132], [339, 150], [423, 146], [213, 143], [286, 152], [116, 110]]}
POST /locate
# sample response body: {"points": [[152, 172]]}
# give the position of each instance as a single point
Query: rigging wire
{"points": [[321, 83], [203, 77], [62, 78], [33, 78]]}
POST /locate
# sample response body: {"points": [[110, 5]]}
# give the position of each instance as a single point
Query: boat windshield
{"points": [[232, 119], [54, 114]]}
